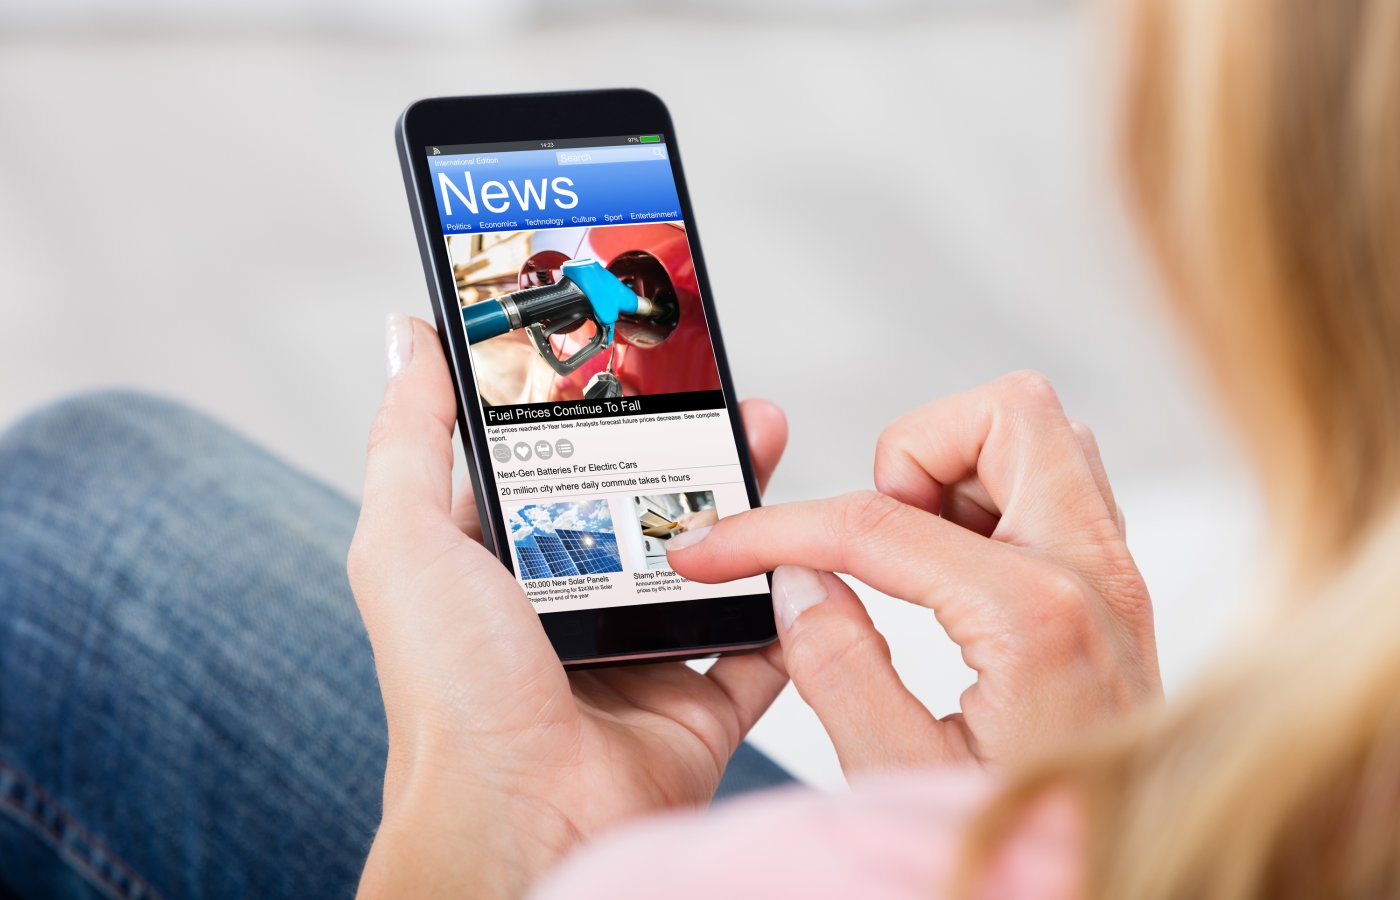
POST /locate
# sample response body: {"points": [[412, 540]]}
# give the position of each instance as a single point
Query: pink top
{"points": [[893, 836]]}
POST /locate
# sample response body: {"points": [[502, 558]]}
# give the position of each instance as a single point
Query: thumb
{"points": [[410, 444], [457, 644], [410, 565], [766, 428], [406, 514], [841, 666]]}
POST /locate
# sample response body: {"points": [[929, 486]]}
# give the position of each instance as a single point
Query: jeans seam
{"points": [[69, 839]]}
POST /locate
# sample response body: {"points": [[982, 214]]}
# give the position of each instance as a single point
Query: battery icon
{"points": [[650, 139]]}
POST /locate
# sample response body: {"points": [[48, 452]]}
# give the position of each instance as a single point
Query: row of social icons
{"points": [[522, 451]]}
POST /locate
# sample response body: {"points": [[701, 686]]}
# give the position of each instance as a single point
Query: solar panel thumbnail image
{"points": [[558, 559], [532, 561], [593, 552]]}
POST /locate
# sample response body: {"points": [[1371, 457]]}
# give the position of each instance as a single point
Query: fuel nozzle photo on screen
{"points": [[588, 312], [585, 292]]}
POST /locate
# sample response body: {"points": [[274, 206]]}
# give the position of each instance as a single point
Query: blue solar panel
{"points": [[532, 561], [593, 552], [555, 556]]}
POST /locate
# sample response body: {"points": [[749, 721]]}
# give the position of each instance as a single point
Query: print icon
{"points": [[543, 450]]}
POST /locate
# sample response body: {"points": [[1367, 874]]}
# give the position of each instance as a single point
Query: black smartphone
{"points": [[593, 393]]}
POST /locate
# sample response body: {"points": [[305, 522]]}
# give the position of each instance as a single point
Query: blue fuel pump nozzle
{"points": [[585, 292]]}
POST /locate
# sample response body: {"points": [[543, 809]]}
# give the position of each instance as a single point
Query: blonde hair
{"points": [[1262, 142], [1261, 139]]}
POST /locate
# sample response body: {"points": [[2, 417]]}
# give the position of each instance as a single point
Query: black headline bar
{"points": [[565, 410]]}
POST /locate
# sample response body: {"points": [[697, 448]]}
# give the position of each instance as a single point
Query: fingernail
{"points": [[796, 589], [398, 343], [686, 538]]}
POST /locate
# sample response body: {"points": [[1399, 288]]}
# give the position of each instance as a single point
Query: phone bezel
{"points": [[606, 636]]}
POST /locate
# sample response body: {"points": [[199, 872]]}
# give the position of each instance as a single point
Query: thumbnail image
{"points": [[555, 540], [582, 313], [661, 516]]}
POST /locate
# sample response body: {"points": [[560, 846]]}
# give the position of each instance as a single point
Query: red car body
{"points": [[652, 259]]}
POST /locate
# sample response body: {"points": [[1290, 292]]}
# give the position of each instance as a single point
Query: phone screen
{"points": [[595, 375]]}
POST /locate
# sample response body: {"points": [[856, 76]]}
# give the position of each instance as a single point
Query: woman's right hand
{"points": [[994, 512]]}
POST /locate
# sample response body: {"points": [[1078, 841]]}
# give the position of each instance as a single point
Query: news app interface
{"points": [[593, 364]]}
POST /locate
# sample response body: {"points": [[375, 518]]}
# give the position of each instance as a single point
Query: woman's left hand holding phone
{"points": [[499, 761]]}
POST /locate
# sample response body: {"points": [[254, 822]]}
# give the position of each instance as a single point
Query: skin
{"points": [[481, 716], [992, 511], [702, 519]]}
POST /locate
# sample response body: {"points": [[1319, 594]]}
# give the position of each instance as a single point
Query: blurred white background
{"points": [[898, 199]]}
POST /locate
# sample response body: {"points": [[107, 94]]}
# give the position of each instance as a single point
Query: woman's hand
{"points": [[702, 519], [994, 512], [498, 761]]}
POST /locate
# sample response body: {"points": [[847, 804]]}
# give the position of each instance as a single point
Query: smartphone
{"points": [[571, 297]]}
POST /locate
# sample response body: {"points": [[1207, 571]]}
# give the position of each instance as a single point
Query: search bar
{"points": [[593, 155]]}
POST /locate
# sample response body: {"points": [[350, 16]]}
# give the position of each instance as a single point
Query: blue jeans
{"points": [[188, 705]]}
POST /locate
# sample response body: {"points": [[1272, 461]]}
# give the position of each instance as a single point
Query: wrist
{"points": [[451, 840]]}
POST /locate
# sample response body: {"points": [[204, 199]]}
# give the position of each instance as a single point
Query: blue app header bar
{"points": [[535, 189]]}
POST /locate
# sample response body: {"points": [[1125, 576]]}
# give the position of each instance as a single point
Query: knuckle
{"points": [[358, 561], [1061, 591], [896, 452], [1083, 432], [1062, 608], [1031, 387], [889, 453], [382, 428], [894, 436], [904, 431], [887, 443], [865, 513], [821, 656]]}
